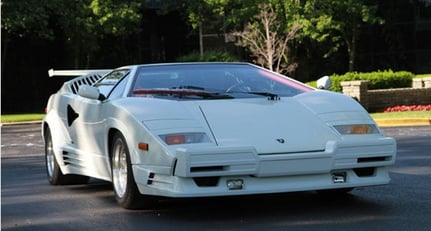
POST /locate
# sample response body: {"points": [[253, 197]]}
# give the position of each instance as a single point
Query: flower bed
{"points": [[408, 108]]}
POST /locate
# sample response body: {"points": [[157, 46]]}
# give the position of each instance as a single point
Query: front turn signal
{"points": [[185, 138], [356, 129]]}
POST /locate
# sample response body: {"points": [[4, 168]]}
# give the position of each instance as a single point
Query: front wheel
{"points": [[55, 176], [126, 191]]}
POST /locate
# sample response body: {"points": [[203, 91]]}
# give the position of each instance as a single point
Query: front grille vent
{"points": [[372, 159], [206, 181], [364, 172]]}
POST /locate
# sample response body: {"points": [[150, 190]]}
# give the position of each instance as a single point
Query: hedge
{"points": [[378, 79]]}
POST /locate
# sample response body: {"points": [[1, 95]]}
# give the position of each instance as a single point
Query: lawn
{"points": [[402, 115], [13, 118]]}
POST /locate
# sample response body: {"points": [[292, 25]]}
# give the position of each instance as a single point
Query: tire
{"points": [[55, 176], [123, 181]]}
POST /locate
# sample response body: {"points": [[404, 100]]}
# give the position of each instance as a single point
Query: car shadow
{"points": [[258, 206], [249, 207]]}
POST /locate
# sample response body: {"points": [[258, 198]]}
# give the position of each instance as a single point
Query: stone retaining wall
{"points": [[378, 100]]}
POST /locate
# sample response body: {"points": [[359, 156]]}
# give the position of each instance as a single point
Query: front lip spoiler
{"points": [[245, 160]]}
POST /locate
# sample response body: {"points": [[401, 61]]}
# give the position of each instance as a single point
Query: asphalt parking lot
{"points": [[30, 203]]}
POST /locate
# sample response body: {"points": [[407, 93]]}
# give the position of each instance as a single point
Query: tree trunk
{"points": [[269, 46], [201, 41], [352, 48]]}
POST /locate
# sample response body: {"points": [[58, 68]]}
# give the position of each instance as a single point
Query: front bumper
{"points": [[210, 172]]}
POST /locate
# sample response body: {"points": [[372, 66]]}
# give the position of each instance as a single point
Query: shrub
{"points": [[423, 76], [312, 83], [378, 79], [211, 56]]}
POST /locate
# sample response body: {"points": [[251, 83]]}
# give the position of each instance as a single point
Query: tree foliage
{"points": [[328, 25], [332, 24], [82, 22], [22, 18], [339, 22], [117, 17], [205, 16]]}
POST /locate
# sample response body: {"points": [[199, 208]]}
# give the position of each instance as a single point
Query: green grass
{"points": [[14, 118], [401, 115]]}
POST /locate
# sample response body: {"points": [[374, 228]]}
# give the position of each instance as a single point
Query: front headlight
{"points": [[356, 129], [185, 138]]}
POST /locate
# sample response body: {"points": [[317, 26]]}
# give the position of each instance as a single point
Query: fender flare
{"points": [[129, 134], [59, 136]]}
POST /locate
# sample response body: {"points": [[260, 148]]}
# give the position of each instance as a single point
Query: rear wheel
{"points": [[55, 176], [126, 191]]}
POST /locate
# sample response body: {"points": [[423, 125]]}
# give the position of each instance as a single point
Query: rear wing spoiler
{"points": [[85, 77], [52, 72]]}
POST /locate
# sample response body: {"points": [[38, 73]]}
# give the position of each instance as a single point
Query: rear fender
{"points": [[59, 134]]}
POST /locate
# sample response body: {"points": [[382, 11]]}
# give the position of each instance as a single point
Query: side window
{"points": [[119, 88], [108, 82]]}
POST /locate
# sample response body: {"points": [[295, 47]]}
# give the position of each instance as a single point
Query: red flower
{"points": [[399, 108]]}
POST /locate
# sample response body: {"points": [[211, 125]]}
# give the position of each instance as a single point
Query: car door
{"points": [[86, 123]]}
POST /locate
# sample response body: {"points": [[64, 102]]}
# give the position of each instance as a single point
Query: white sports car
{"points": [[209, 129]]}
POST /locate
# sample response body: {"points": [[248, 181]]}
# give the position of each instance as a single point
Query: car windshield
{"points": [[212, 81]]}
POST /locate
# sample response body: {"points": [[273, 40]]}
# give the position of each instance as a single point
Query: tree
{"points": [[85, 22], [204, 15], [267, 39], [23, 18], [82, 22], [338, 21]]}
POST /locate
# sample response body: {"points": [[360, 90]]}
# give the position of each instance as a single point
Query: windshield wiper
{"points": [[181, 93], [190, 87], [212, 93], [271, 96]]}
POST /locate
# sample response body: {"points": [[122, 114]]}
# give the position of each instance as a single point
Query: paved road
{"points": [[28, 202]]}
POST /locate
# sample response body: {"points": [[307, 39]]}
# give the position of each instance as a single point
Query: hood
{"points": [[291, 124], [279, 126]]}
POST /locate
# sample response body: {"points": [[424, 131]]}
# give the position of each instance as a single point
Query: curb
{"points": [[403, 122], [21, 123]]}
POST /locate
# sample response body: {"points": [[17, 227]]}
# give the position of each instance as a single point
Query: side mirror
{"points": [[90, 92], [324, 83]]}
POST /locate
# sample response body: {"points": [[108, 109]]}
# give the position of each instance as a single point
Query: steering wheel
{"points": [[239, 86]]}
